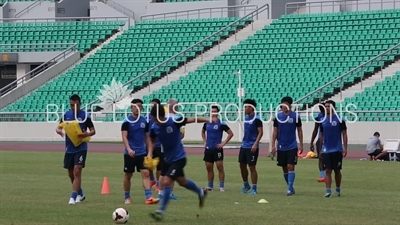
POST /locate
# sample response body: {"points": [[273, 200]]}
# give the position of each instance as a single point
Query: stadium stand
{"points": [[384, 95], [138, 49], [293, 56], [86, 34]]}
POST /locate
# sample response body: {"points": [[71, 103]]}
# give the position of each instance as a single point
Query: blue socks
{"points": [[210, 185], [165, 198], [328, 190], [190, 185], [74, 195], [291, 177], [151, 177], [322, 174], [147, 193], [254, 187], [285, 175], [80, 192], [338, 189], [221, 184], [246, 184], [127, 194]]}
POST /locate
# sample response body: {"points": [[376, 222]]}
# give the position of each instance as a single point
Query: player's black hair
{"points": [[321, 107], [136, 100], [333, 103], [215, 107], [287, 99], [250, 102], [158, 111], [156, 100], [75, 97], [377, 134]]}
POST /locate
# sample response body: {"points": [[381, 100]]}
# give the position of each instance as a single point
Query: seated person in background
{"points": [[375, 148]]}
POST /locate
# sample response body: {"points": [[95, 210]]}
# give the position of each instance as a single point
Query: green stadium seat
{"points": [[293, 56], [138, 49], [86, 34]]}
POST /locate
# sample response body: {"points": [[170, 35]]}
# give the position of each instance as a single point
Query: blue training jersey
{"points": [[169, 134], [214, 133], [287, 126], [85, 122], [151, 121], [137, 129], [251, 125], [319, 119], [331, 129]]}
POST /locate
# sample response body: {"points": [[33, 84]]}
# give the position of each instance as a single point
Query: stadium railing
{"points": [[118, 7], [28, 8], [323, 6], [67, 19], [44, 66], [42, 47], [198, 13], [319, 92], [149, 73]]}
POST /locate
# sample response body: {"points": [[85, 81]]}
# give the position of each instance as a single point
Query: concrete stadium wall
{"points": [[41, 131], [36, 57], [349, 5], [45, 10], [39, 80]]}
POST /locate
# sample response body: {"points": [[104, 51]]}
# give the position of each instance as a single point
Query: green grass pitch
{"points": [[35, 190]]}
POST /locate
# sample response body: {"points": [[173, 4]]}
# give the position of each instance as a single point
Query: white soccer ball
{"points": [[120, 216]]}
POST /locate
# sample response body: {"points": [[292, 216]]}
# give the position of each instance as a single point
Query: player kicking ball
{"points": [[167, 131], [212, 133], [135, 135], [333, 130]]}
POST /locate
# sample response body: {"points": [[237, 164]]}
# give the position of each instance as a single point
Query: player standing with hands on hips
{"points": [[285, 125], [333, 130], [212, 133], [75, 156]]}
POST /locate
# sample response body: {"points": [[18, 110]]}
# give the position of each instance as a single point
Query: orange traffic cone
{"points": [[105, 189]]}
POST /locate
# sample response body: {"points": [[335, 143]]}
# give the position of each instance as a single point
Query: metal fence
{"points": [[203, 12], [336, 5]]}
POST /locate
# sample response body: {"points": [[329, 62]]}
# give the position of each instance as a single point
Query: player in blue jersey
{"points": [[167, 130], [212, 133], [75, 156], [318, 120], [135, 135], [157, 152], [286, 124], [333, 130], [248, 154]]}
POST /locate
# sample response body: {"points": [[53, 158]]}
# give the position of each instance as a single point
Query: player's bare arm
{"points": [[313, 136], [197, 120], [203, 134], [182, 132], [274, 135], [124, 135], [150, 146], [228, 138], [344, 137], [90, 126]]}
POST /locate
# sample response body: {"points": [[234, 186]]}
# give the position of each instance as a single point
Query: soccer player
{"points": [[248, 154], [135, 135], [375, 148], [320, 117], [212, 133], [157, 152], [167, 130], [75, 156], [333, 129], [285, 125], [172, 106]]}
